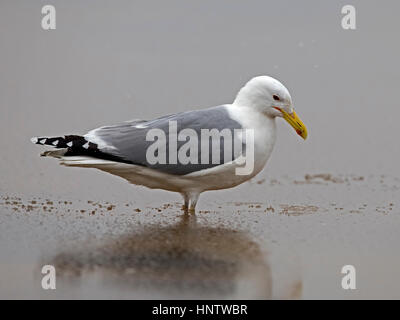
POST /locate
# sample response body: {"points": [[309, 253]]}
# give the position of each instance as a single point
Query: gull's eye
{"points": [[276, 98]]}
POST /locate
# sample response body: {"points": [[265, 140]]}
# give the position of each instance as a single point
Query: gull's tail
{"points": [[68, 145], [71, 141], [73, 147]]}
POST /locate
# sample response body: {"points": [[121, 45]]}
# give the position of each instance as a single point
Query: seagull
{"points": [[165, 153]]}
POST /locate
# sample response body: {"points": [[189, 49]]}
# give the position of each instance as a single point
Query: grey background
{"points": [[116, 61], [110, 61]]}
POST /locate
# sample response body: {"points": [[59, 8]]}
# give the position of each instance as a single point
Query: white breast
{"points": [[264, 132]]}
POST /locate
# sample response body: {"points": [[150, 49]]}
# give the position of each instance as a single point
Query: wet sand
{"points": [[252, 249]]}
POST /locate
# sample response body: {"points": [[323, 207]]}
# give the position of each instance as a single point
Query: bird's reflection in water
{"points": [[185, 260]]}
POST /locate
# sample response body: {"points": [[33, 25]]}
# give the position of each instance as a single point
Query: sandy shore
{"points": [[256, 249]]}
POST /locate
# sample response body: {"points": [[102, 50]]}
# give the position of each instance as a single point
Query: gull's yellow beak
{"points": [[295, 122]]}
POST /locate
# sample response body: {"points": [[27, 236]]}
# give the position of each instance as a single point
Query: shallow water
{"points": [[252, 249], [330, 201]]}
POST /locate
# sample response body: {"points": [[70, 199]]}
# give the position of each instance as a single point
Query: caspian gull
{"points": [[175, 153]]}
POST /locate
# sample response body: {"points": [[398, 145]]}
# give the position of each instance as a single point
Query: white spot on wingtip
{"points": [[55, 143], [43, 141], [141, 126], [86, 145], [34, 140], [69, 144]]}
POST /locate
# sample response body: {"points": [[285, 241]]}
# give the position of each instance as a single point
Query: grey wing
{"points": [[130, 141]]}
